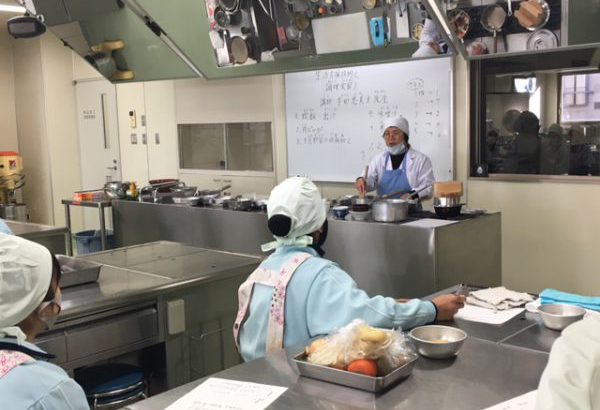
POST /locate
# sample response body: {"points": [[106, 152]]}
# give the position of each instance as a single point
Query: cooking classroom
{"points": [[299, 204]]}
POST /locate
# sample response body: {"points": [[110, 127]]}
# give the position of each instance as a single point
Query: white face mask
{"points": [[49, 321], [397, 149]]}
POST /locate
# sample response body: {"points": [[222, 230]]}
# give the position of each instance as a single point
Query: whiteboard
{"points": [[334, 118]]}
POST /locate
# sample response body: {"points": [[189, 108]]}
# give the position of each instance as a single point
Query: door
{"points": [[98, 130]]}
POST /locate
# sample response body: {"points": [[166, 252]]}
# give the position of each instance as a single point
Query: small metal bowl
{"points": [[557, 317], [438, 342]]}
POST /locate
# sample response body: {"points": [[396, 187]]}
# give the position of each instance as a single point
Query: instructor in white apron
{"points": [[400, 168]]}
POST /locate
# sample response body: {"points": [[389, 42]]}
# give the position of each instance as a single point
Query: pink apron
{"points": [[9, 359], [279, 281]]}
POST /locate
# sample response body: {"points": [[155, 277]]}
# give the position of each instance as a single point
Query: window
{"points": [[544, 122], [244, 146]]}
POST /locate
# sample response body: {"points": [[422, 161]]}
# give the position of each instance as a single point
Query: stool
{"points": [[112, 385]]}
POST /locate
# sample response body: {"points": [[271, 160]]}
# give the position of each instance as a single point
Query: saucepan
{"points": [[208, 196], [389, 210], [492, 19]]}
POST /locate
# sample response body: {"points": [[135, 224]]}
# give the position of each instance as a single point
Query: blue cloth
{"points": [[4, 227], [39, 385], [394, 180], [320, 298], [550, 296]]}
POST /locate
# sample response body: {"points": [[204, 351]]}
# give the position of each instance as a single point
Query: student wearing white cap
{"points": [[400, 168], [29, 303], [571, 380], [295, 294]]}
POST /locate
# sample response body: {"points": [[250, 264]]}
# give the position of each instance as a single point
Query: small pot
{"points": [[240, 204], [116, 189], [389, 210], [448, 211], [446, 201]]}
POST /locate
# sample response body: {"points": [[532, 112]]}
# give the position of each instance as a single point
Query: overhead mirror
{"points": [[246, 32], [482, 28]]}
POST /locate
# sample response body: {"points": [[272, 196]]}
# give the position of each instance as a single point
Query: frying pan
{"points": [[492, 19], [524, 21]]}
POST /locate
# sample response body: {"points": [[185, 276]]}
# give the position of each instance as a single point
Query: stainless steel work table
{"points": [[495, 364], [407, 259], [483, 374], [138, 273], [56, 239]]}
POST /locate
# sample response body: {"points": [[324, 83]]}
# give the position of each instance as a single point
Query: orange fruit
{"points": [[363, 366]]}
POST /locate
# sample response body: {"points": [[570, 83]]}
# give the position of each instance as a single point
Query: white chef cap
{"points": [[295, 209], [25, 276], [399, 122]]}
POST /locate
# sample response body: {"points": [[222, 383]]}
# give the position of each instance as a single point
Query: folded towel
{"points": [[498, 298], [550, 296]]}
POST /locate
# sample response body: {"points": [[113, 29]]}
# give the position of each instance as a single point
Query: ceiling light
{"points": [[11, 9]]}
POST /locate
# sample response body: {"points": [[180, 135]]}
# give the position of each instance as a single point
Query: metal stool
{"points": [[112, 385]]}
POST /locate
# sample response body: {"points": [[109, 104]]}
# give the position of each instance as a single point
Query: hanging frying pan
{"points": [[492, 19], [533, 14], [459, 21]]}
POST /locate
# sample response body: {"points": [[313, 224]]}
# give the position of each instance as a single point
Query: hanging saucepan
{"points": [[230, 5], [533, 14], [492, 19], [225, 19]]}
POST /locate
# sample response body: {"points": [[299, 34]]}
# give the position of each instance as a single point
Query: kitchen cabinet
{"points": [[148, 134]]}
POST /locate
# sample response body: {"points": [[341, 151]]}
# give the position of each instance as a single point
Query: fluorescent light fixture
{"points": [[525, 85], [11, 9]]}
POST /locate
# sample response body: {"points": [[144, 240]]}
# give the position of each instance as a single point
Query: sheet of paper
{"points": [[483, 315], [523, 402], [221, 394], [347, 32], [430, 223]]}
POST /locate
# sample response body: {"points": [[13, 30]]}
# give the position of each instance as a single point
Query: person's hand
{"points": [[361, 186], [447, 306], [406, 196]]}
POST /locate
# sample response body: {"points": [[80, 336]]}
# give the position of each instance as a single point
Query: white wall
{"points": [[8, 117], [31, 128], [61, 126], [46, 125]]}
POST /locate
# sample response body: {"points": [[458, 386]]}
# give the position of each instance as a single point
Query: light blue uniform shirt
{"points": [[320, 298], [39, 385], [4, 227]]}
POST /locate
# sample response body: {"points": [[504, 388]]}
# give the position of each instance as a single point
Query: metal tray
{"points": [[77, 271], [355, 380]]}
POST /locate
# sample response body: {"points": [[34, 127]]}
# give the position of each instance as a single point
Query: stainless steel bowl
{"points": [[557, 317], [389, 210], [438, 342], [360, 216]]}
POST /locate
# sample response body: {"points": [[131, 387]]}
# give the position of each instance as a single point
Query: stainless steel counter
{"points": [[483, 374], [157, 293], [401, 260], [52, 237], [145, 271]]}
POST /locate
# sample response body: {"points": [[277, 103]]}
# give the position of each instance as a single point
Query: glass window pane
{"points": [[201, 146], [249, 146], [524, 133]]}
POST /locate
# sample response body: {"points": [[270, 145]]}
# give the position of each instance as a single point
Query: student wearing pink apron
{"points": [[296, 294], [400, 168], [29, 303]]}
